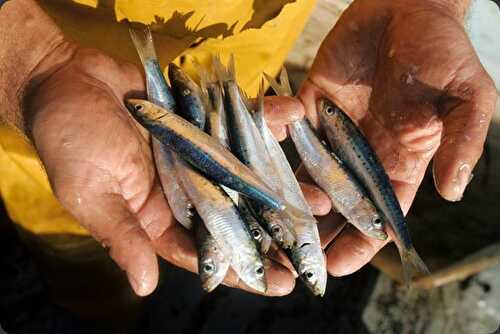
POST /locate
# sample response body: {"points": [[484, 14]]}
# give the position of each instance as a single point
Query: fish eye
{"points": [[276, 229], [308, 275], [329, 110], [138, 107], [186, 92], [256, 234], [208, 268], [377, 222], [259, 271]]}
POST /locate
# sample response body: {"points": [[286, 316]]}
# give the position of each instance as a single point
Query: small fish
{"points": [[179, 203], [247, 145], [202, 151], [159, 93], [350, 145], [212, 264], [331, 174], [307, 256], [223, 221], [189, 96]]}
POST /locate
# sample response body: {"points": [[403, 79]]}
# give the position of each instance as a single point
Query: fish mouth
{"points": [[209, 283], [378, 234], [257, 283]]}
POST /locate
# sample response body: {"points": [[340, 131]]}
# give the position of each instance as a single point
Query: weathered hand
{"points": [[406, 72], [100, 165]]}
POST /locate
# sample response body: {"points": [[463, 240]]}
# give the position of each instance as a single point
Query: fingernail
{"points": [[461, 181]]}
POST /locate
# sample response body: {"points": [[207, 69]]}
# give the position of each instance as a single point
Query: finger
{"points": [[351, 251], [317, 199], [329, 227], [278, 255], [109, 220], [465, 128], [176, 245], [279, 132], [279, 279], [282, 110], [155, 215]]}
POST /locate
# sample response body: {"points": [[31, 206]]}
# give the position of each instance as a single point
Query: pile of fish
{"points": [[227, 179]]}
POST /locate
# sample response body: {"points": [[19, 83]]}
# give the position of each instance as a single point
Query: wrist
{"points": [[31, 48]]}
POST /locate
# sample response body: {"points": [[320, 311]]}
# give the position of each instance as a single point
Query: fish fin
{"points": [[281, 89], [412, 265], [285, 83], [219, 69], [231, 68], [204, 75], [258, 114], [247, 101], [143, 41]]}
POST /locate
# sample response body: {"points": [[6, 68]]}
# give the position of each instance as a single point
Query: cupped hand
{"points": [[406, 73], [100, 165]]}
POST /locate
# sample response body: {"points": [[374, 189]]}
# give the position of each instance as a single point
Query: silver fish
{"points": [[331, 174], [307, 256], [212, 264], [247, 144], [223, 221], [203, 152], [179, 203], [159, 93], [350, 145]]}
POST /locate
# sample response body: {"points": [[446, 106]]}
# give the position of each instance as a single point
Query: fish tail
{"points": [[220, 70], [258, 113], [143, 41], [285, 83], [283, 88], [205, 80], [412, 264], [260, 99], [231, 68]]}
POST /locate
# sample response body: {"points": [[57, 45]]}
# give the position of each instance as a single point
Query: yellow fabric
{"points": [[259, 33]]}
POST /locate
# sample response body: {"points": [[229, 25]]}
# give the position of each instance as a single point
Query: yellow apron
{"points": [[259, 33]]}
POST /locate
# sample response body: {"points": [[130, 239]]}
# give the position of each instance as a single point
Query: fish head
{"points": [[326, 109], [144, 111], [189, 96], [253, 274], [281, 229], [181, 81], [310, 263], [260, 236], [368, 221], [212, 270]]}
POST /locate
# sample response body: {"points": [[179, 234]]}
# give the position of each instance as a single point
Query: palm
{"points": [[409, 77]]}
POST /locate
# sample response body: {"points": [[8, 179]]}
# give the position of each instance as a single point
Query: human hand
{"points": [[99, 163], [406, 72]]}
